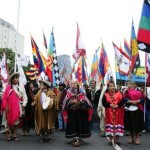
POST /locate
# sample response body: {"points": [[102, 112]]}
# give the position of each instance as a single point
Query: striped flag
{"points": [[32, 73], [103, 63], [143, 36], [135, 63], [81, 73], [38, 63], [52, 69], [127, 48], [94, 67], [49, 61]]}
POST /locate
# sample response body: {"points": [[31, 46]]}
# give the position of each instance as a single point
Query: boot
{"points": [[131, 140], [110, 143], [76, 143], [116, 140], [27, 131], [137, 139]]}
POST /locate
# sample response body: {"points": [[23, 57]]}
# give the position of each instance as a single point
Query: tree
{"points": [[10, 57]]}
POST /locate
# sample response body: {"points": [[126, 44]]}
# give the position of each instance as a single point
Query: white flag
{"points": [[24, 60], [22, 78], [148, 62], [123, 61], [3, 72]]}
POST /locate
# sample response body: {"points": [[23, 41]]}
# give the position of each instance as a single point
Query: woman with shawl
{"points": [[77, 113]]}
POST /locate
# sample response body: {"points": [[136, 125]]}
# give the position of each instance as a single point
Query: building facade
{"points": [[10, 38], [64, 62]]}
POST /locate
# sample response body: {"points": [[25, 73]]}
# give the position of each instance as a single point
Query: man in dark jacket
{"points": [[93, 95], [62, 95]]}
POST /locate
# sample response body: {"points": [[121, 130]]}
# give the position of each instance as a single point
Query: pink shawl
{"points": [[10, 101], [134, 94]]}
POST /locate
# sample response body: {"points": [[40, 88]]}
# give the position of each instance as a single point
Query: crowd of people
{"points": [[108, 110]]}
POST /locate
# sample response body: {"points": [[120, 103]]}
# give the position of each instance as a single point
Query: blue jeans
{"points": [[60, 120]]}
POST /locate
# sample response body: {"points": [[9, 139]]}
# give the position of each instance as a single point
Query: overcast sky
{"points": [[98, 20]]}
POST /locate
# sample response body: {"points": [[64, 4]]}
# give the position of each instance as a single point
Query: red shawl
{"points": [[81, 97]]}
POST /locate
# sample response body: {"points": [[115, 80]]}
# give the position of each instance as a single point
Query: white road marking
{"points": [[117, 147], [2, 131]]}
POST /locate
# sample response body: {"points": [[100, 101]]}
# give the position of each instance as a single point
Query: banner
{"points": [[138, 77]]}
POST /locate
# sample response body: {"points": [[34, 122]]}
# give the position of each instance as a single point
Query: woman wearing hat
{"points": [[13, 102], [77, 113], [45, 103]]}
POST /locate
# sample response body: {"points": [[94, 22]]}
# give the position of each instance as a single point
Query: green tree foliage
{"points": [[10, 57]]}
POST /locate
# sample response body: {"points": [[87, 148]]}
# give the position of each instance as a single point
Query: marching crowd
{"points": [[76, 110]]}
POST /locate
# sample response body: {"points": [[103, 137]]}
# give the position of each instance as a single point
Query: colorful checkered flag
{"points": [[56, 79]]}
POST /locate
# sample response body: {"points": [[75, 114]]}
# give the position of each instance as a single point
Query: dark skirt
{"points": [[134, 121], [78, 124]]}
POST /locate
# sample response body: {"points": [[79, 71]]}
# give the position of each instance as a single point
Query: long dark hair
{"points": [[11, 81], [27, 86]]}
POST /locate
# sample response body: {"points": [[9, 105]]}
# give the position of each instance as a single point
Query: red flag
{"points": [[80, 49]]}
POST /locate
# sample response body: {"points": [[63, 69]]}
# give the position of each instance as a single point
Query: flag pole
{"points": [[145, 84], [18, 15], [17, 31]]}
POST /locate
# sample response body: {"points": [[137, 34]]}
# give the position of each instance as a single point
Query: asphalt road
{"points": [[60, 143]]}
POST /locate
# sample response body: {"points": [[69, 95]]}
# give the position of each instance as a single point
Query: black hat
{"points": [[62, 84]]}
